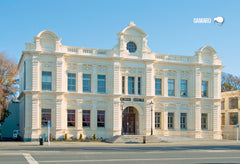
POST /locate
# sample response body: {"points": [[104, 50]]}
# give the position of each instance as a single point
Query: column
{"points": [[79, 116], [149, 79], [135, 85], [35, 117], [79, 80], [178, 84], [58, 119], [165, 121], [126, 85], [59, 74], [117, 117], [94, 116], [148, 118], [177, 119], [35, 74], [116, 78], [198, 83], [165, 84], [216, 84], [94, 79], [198, 119], [217, 134]]}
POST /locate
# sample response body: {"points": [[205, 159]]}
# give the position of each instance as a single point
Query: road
{"points": [[119, 154]]}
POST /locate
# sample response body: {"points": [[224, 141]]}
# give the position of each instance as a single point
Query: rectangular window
{"points": [[223, 118], [86, 118], [71, 81], [46, 116], [139, 85], [223, 104], [233, 118], [204, 121], [101, 118], [71, 118], [171, 87], [131, 82], [183, 91], [46, 80], [158, 120], [170, 120], [158, 86], [101, 84], [233, 103], [123, 84], [183, 121], [86, 82], [204, 89]]}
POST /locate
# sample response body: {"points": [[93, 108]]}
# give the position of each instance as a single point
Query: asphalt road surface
{"points": [[124, 154]]}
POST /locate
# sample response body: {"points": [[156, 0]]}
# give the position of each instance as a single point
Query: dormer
{"points": [[132, 42]]}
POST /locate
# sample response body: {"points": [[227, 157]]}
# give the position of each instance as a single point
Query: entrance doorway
{"points": [[129, 121]]}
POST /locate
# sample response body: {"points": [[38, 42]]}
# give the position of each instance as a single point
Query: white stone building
{"points": [[124, 90]]}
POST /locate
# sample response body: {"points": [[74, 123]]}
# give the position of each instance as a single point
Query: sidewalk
{"points": [[103, 144]]}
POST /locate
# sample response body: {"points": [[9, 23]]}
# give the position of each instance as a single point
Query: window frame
{"points": [[86, 123], [99, 85], [101, 114], [46, 85], [157, 120], [171, 121], [45, 122], [131, 90], [204, 92], [204, 125], [72, 79], [173, 90], [87, 82], [182, 91], [183, 121], [158, 86], [70, 121], [230, 118]]}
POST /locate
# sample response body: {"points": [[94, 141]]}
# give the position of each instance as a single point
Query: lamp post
{"points": [[122, 103], [151, 103]]}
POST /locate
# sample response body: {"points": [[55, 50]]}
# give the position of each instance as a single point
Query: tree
{"points": [[230, 82], [8, 74]]}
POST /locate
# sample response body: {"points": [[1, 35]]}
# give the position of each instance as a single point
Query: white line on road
{"points": [[29, 158], [137, 159]]}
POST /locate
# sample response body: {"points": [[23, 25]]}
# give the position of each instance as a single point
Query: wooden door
{"points": [[128, 124]]}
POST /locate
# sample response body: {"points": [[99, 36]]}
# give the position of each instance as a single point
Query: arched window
{"points": [[131, 47]]}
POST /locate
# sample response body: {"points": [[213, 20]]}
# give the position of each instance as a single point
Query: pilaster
{"points": [[35, 73], [116, 78], [149, 79], [198, 83], [59, 74]]}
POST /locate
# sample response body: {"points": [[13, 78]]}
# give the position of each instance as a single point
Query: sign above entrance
{"points": [[138, 99], [125, 99], [134, 99]]}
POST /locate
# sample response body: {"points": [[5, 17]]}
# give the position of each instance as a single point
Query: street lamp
{"points": [[122, 103], [151, 103]]}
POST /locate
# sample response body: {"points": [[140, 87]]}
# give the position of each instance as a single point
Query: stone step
{"points": [[135, 139]]}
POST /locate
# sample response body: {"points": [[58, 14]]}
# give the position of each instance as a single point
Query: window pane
{"points": [[101, 118], [233, 103], [223, 104], [139, 85], [101, 84], [158, 120], [171, 87], [86, 118], [223, 118], [46, 80], [183, 91], [86, 83], [123, 84], [170, 120], [233, 118], [183, 121], [130, 85], [204, 89], [71, 81], [71, 118], [158, 87], [204, 121], [46, 116]]}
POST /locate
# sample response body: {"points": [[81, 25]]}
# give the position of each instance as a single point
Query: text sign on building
{"points": [[125, 99], [138, 99]]}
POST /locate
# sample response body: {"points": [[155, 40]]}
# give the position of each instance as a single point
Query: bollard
{"points": [[144, 139], [40, 140]]}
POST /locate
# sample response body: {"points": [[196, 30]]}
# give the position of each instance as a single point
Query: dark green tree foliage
{"points": [[230, 82], [8, 73]]}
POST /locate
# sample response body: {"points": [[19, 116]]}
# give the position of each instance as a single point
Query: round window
{"points": [[131, 47]]}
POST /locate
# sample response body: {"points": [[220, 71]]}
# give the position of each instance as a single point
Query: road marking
{"points": [[137, 159], [29, 158]]}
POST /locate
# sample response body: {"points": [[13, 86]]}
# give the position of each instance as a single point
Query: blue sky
{"points": [[95, 23]]}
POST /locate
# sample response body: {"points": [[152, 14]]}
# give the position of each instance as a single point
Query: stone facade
{"points": [[230, 114], [140, 67]]}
